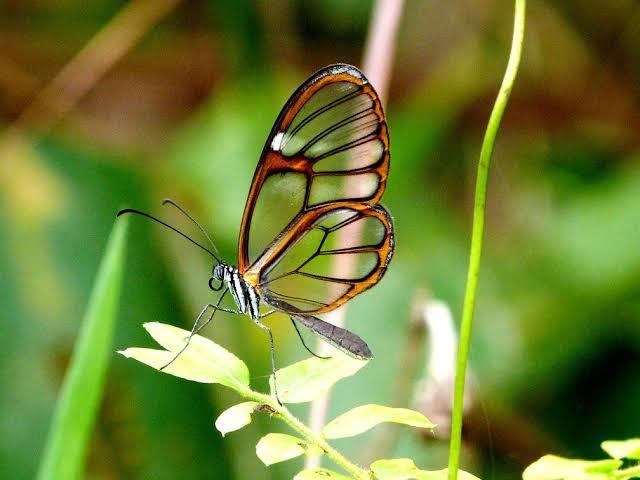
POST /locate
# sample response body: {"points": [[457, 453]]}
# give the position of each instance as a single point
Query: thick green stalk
{"points": [[81, 393], [478, 232]]}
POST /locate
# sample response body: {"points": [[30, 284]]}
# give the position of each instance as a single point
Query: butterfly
{"points": [[313, 234]]}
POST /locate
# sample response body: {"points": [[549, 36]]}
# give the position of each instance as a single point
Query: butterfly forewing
{"points": [[329, 138]]}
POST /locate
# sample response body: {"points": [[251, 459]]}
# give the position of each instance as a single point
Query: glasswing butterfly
{"points": [[313, 205]]}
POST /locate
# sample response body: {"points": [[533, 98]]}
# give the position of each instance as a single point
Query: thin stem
{"points": [[309, 435], [377, 62], [478, 232]]}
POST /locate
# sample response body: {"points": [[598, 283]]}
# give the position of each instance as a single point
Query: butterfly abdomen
{"points": [[342, 339]]}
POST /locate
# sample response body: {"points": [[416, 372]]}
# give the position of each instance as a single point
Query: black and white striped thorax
{"points": [[245, 295]]}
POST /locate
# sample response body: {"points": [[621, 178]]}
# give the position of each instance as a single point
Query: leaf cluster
{"points": [[205, 361], [624, 464]]}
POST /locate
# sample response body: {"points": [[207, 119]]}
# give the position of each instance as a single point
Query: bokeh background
{"points": [[184, 114]]}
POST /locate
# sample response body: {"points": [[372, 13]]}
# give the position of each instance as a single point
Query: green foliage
{"points": [[278, 447], [76, 410], [205, 361], [623, 448], [319, 474], [365, 417], [309, 379], [552, 467], [404, 468], [236, 417]]}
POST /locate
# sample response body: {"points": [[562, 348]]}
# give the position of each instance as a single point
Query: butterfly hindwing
{"points": [[356, 237]]}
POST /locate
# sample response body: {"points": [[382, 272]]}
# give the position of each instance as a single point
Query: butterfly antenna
{"points": [[151, 217], [190, 217]]}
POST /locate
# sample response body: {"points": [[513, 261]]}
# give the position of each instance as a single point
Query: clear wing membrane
{"points": [[281, 199], [338, 118]]}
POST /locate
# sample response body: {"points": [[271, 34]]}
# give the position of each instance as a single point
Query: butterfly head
{"points": [[216, 281]]}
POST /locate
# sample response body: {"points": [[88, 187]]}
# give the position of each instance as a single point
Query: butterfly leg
{"points": [[273, 353], [215, 309], [304, 344], [197, 327]]}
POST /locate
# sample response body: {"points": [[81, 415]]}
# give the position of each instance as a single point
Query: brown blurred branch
{"points": [[91, 63], [380, 46], [378, 58]]}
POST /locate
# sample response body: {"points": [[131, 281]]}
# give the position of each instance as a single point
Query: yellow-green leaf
{"points": [[623, 448], [405, 469], [444, 475], [552, 467], [203, 360], [311, 378], [319, 474], [363, 418], [395, 469], [278, 447], [235, 418]]}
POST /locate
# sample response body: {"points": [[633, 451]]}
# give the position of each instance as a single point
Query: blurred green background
{"points": [[185, 113]]}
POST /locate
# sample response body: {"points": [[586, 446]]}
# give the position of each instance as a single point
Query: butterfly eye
{"points": [[215, 284]]}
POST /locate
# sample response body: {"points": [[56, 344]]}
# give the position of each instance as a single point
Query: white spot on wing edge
{"points": [[276, 143], [349, 69]]}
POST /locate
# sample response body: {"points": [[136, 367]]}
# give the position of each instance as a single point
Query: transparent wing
{"points": [[329, 146], [340, 251]]}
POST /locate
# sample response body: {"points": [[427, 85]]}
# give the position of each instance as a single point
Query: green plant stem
{"points": [[309, 435], [478, 232], [628, 472]]}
